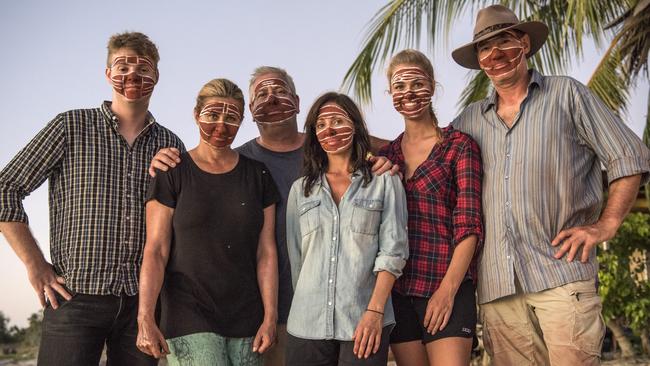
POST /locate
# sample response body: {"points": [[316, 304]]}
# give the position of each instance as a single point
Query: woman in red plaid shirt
{"points": [[434, 300]]}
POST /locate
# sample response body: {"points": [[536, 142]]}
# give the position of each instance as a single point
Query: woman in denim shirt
{"points": [[347, 242]]}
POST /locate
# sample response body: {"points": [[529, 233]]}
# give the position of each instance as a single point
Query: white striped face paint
{"points": [[334, 128], [219, 122], [273, 101], [412, 89], [134, 77], [500, 56]]}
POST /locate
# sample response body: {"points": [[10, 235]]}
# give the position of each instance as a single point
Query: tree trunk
{"points": [[627, 350], [645, 341]]}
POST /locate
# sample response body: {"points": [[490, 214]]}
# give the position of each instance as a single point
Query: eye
{"points": [[399, 86], [320, 125]]}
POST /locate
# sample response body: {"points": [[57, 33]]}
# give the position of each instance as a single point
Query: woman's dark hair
{"points": [[315, 162]]}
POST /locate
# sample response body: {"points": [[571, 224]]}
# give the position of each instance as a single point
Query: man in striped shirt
{"points": [[543, 141], [95, 161]]}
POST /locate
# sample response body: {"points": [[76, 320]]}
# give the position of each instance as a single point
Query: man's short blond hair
{"points": [[136, 41]]}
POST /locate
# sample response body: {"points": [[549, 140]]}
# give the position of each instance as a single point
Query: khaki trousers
{"points": [[558, 326]]}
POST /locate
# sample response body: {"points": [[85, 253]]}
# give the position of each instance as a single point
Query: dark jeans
{"points": [[75, 333], [308, 352]]}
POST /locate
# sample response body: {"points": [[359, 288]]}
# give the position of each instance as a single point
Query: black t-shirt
{"points": [[211, 276]]}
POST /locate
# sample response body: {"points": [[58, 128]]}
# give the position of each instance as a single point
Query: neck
{"points": [[422, 128], [281, 137], [339, 163], [132, 115], [512, 92], [214, 156]]}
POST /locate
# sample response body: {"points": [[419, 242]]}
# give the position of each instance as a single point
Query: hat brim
{"points": [[466, 55]]}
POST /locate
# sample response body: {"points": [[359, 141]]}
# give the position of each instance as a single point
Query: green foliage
{"points": [[625, 295]]}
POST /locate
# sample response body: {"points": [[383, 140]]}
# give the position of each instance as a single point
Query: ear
{"points": [[157, 75], [297, 103], [525, 42], [108, 75]]}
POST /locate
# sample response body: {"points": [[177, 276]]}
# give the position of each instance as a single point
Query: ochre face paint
{"points": [[411, 91], [334, 128], [495, 66], [219, 123], [273, 101], [134, 77]]}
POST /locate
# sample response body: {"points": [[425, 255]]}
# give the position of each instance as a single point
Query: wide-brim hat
{"points": [[491, 21]]}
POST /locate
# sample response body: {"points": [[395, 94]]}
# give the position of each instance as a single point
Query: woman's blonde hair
{"points": [[220, 88]]}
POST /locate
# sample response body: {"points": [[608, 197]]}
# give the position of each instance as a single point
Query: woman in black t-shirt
{"points": [[210, 234]]}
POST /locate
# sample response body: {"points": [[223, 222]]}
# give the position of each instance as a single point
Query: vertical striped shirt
{"points": [[543, 175], [97, 188]]}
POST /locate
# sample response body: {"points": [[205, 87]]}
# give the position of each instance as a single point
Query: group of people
{"points": [[328, 246]]}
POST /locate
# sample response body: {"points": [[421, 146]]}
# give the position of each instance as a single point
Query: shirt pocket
{"points": [[366, 216], [309, 216], [434, 181]]}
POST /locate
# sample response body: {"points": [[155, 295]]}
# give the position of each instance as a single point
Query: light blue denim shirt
{"points": [[336, 253]]}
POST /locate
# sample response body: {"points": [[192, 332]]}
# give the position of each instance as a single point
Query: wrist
{"points": [[609, 225], [270, 318], [145, 317]]}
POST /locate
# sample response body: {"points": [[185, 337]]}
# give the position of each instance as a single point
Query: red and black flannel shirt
{"points": [[444, 207]]}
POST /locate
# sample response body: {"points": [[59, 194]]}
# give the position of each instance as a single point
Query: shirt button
{"points": [[508, 156], [127, 218], [331, 280], [334, 238], [333, 259], [508, 257], [329, 303], [507, 176], [507, 203]]}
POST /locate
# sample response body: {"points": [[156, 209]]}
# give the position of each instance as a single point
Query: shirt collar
{"points": [[112, 120], [322, 182], [536, 79]]}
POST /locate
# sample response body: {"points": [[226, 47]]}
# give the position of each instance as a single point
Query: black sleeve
{"points": [[163, 189]]}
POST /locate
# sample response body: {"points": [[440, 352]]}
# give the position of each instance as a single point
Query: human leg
{"points": [[75, 333]]}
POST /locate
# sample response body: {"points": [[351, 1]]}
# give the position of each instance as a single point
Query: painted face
{"points": [[334, 128], [500, 57], [133, 76], [219, 123], [273, 101], [411, 90]]}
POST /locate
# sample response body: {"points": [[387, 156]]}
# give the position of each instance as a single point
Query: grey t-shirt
{"points": [[285, 169]]}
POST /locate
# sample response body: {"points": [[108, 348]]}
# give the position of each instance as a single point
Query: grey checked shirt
{"points": [[336, 251], [97, 188], [543, 175]]}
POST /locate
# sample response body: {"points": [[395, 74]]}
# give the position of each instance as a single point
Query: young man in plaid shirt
{"points": [[96, 163]]}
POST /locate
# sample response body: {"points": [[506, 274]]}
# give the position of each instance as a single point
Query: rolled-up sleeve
{"points": [[35, 163], [468, 214], [293, 233], [618, 148], [393, 239]]}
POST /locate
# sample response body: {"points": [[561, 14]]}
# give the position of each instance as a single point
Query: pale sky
{"points": [[55, 55]]}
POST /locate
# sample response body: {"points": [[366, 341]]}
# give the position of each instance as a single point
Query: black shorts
{"points": [[410, 311]]}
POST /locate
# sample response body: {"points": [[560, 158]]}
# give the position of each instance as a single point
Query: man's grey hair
{"points": [[272, 70]]}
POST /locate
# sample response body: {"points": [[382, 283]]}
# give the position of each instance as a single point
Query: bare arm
{"points": [[441, 302], [40, 273], [622, 193], [267, 279], [156, 254], [367, 335]]}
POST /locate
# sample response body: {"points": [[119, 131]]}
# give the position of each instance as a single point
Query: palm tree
{"points": [[626, 24]]}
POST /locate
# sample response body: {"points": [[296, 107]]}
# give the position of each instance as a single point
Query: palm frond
{"points": [[634, 39], [478, 88], [398, 23], [610, 82]]}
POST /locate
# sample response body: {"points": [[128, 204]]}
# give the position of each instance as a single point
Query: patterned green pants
{"points": [[208, 349]]}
